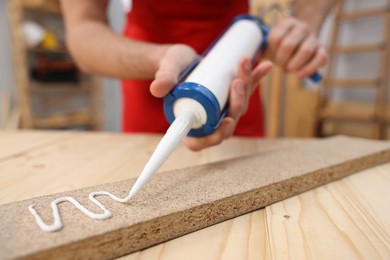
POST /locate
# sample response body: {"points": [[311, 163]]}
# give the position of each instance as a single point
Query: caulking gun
{"points": [[197, 105]]}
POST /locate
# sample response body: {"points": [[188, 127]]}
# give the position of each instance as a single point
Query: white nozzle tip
{"points": [[175, 133], [133, 192]]}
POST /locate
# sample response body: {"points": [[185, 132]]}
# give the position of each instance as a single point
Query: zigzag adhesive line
{"points": [[57, 225]]}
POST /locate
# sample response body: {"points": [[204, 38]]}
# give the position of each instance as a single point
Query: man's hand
{"points": [[174, 61], [241, 89], [292, 45], [177, 58]]}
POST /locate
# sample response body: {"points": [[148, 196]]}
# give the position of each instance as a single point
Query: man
{"points": [[163, 37]]}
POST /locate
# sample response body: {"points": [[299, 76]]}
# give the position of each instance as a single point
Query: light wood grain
{"points": [[362, 198], [244, 237], [15, 144], [175, 203], [347, 219], [348, 216]]}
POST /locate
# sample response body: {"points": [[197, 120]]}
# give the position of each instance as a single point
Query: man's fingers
{"points": [[260, 71], [295, 47], [244, 68], [244, 85], [277, 34], [318, 61], [304, 54], [175, 60], [237, 98], [289, 44], [165, 79]]}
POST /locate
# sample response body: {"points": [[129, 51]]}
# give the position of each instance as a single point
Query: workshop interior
{"points": [[42, 87], [75, 185]]}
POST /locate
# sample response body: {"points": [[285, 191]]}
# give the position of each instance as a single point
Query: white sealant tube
{"points": [[217, 70]]}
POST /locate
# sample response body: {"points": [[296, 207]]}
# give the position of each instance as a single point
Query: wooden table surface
{"points": [[346, 219]]}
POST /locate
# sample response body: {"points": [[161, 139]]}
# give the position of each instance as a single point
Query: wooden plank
{"points": [[22, 142], [59, 87], [5, 105], [274, 101], [350, 128], [364, 13], [349, 215], [15, 16], [44, 6], [356, 49], [244, 237], [13, 120], [181, 201], [352, 83], [61, 161], [323, 88], [361, 110], [96, 100], [300, 109], [81, 118], [354, 112], [382, 94]]}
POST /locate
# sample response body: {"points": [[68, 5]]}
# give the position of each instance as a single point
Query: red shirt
{"points": [[193, 22]]}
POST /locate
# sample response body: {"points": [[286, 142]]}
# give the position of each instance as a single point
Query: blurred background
{"points": [[42, 88]]}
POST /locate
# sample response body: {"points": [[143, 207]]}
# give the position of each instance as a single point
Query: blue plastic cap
{"points": [[205, 97], [316, 77]]}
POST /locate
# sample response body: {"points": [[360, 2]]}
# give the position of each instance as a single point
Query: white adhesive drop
{"points": [[57, 225]]}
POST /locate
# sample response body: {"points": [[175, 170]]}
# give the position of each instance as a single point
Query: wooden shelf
{"points": [[364, 13], [59, 86], [82, 118], [352, 83], [42, 50], [89, 88], [360, 48], [375, 113], [53, 7], [353, 111]]}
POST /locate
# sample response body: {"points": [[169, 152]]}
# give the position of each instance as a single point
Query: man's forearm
{"points": [[97, 49], [313, 12]]}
